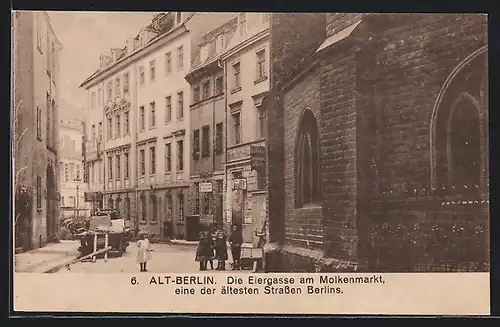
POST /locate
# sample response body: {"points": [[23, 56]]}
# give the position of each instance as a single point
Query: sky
{"points": [[84, 37]]}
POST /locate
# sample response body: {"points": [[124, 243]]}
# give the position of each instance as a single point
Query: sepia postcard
{"points": [[246, 162]]}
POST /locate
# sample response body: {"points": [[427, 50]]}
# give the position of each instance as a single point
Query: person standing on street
{"points": [[144, 252], [221, 250], [236, 240]]}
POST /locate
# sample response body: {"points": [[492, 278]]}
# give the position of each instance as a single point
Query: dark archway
{"points": [[51, 199]]}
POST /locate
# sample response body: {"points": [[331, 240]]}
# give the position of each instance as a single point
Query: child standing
{"points": [[204, 252], [221, 250], [144, 252]]}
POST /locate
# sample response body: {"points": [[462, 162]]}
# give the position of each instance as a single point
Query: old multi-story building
{"points": [[377, 143], [36, 137], [246, 62], [73, 182], [207, 123], [141, 114]]}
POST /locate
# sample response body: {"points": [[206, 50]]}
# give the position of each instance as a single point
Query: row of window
{"points": [[205, 141], [111, 90], [260, 74], [154, 205], [168, 158], [50, 125], [168, 66], [70, 172], [168, 111], [117, 126], [118, 166], [205, 92], [50, 46]]}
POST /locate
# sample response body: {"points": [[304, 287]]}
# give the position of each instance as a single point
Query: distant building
{"points": [[377, 146], [138, 126], [207, 123], [73, 183], [36, 138]]}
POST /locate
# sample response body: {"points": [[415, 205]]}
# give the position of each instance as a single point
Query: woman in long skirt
{"points": [[204, 252], [144, 252]]}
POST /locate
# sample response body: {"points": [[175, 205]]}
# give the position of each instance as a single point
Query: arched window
{"points": [[459, 139], [307, 189]]}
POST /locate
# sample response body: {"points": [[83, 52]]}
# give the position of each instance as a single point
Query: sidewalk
{"points": [[47, 259], [184, 242]]}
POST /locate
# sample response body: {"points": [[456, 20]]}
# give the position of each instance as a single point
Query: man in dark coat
{"points": [[236, 240]]}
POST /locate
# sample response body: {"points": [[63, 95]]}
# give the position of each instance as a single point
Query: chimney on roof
{"points": [[105, 60], [130, 45]]}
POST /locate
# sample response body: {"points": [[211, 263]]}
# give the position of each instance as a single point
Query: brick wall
{"points": [[303, 226], [337, 22], [293, 38]]}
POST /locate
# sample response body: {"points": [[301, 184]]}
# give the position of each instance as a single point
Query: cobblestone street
{"points": [[165, 259]]}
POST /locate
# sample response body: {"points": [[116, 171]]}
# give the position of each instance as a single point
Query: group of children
{"points": [[213, 246]]}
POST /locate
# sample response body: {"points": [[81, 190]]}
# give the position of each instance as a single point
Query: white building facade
{"points": [[246, 63], [73, 182], [138, 145]]}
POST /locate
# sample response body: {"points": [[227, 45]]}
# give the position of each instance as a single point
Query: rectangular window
{"points": [[118, 126], [126, 165], [141, 75], [219, 85], [261, 64], [236, 128], [49, 55], [93, 101], [205, 147], [261, 179], [39, 192], [180, 155], [48, 127], [93, 133], [142, 118], [143, 207], [196, 144], [110, 168], [242, 18], [110, 128], [154, 209], [100, 100], [142, 159], [219, 136], [219, 43], [125, 82], [100, 132], [152, 158], [71, 171], [236, 73], [118, 166], [180, 57], [180, 105], [262, 122], [168, 63], [206, 90], [152, 115], [152, 70], [126, 123], [181, 206], [168, 158], [39, 124], [206, 204], [110, 91], [117, 86], [77, 178], [196, 94]]}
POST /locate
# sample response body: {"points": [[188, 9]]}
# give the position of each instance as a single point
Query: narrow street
{"points": [[165, 259]]}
